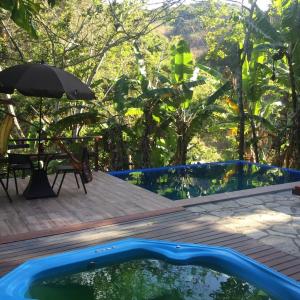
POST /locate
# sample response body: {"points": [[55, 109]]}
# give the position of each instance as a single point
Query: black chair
{"points": [[2, 175], [82, 169], [18, 162]]}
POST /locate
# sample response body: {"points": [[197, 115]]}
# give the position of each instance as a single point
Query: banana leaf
{"points": [[182, 62], [67, 123]]}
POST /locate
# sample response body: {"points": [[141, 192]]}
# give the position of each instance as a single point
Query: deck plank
{"points": [[113, 210], [108, 197], [172, 227]]}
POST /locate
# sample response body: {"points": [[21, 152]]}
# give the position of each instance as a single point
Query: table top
{"points": [[46, 156]]}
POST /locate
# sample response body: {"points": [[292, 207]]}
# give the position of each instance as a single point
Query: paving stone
{"points": [[209, 207], [286, 202], [228, 204], [295, 210], [285, 228], [257, 234], [272, 204], [242, 212], [284, 209], [276, 233], [296, 219], [258, 208], [283, 194], [282, 243], [297, 242], [208, 218], [273, 218], [249, 200], [277, 197], [296, 201], [265, 198], [222, 213], [195, 209], [242, 225]]}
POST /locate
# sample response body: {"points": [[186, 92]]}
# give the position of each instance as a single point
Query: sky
{"points": [[262, 4]]}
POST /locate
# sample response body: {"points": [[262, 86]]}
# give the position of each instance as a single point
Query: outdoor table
{"points": [[39, 185]]}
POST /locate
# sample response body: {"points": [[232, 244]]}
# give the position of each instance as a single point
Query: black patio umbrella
{"points": [[44, 81]]}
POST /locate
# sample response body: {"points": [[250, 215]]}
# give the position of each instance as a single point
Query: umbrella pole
{"points": [[40, 131]]}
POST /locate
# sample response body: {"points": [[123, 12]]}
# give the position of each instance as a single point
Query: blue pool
{"points": [[182, 182], [147, 270]]}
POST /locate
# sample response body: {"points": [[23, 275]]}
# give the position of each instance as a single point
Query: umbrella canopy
{"points": [[42, 80]]}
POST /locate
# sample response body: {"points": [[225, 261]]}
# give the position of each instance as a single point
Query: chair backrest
{"points": [[5, 129], [80, 165], [19, 159], [76, 163]]}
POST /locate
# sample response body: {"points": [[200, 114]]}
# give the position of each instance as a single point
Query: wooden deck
{"points": [[108, 198], [181, 226], [112, 210]]}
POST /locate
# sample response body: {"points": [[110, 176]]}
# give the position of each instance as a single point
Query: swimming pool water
{"points": [[184, 182], [146, 279]]}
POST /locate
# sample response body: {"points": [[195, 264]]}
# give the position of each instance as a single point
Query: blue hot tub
{"points": [[147, 270]]}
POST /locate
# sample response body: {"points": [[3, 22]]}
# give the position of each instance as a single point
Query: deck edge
{"points": [[88, 225]]}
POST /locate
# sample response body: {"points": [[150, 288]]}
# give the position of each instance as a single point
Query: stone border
{"points": [[236, 194]]}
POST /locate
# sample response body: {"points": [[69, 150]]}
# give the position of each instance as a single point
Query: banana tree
{"points": [[172, 103], [167, 95], [116, 132], [190, 110], [184, 72], [260, 119], [281, 38], [255, 84]]}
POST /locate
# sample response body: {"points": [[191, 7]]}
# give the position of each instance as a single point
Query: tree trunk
{"points": [[239, 88], [19, 130], [254, 139], [295, 136], [117, 149], [241, 56], [180, 156], [11, 110], [89, 81], [146, 138], [292, 80], [146, 143]]}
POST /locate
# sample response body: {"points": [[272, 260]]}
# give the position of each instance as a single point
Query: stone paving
{"points": [[273, 219]]}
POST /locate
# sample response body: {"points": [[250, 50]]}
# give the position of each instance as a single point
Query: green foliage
{"points": [[23, 12], [165, 94], [263, 28], [199, 151]]}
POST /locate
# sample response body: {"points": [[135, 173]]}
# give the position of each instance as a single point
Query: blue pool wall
{"points": [[125, 172], [15, 284]]}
